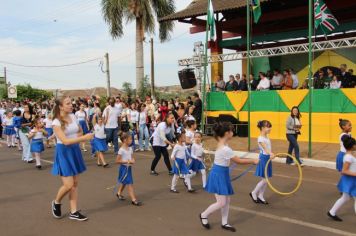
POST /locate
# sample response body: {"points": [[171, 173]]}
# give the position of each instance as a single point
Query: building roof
{"points": [[199, 8]]}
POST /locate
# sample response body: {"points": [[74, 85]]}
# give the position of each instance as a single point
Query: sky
{"points": [[42, 32]]}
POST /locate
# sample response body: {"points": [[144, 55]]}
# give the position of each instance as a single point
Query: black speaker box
{"points": [[187, 78]]}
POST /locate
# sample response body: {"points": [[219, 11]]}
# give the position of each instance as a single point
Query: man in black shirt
{"points": [[198, 106], [345, 76]]}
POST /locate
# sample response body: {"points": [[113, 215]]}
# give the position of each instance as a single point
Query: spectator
{"points": [[189, 101], [150, 109], [353, 78], [238, 78], [305, 84], [335, 83], [231, 85], [328, 78], [163, 110], [319, 82], [198, 106], [243, 84], [345, 77], [254, 82], [277, 79], [220, 84], [295, 79], [264, 83], [287, 83], [111, 116]]}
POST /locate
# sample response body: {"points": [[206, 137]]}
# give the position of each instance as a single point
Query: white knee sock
{"points": [[338, 204], [203, 176], [225, 212], [38, 159], [13, 140], [220, 203], [258, 188], [262, 191], [355, 204], [174, 182], [187, 181], [8, 140]]}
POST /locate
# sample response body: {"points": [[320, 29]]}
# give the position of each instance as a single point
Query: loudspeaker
{"points": [[187, 78]]}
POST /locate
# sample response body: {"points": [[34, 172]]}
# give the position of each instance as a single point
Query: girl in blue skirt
{"points": [[36, 136], [264, 144], [83, 122], [347, 183], [68, 160], [99, 145], [179, 157], [346, 128], [219, 182], [48, 127], [197, 154], [9, 129], [126, 160]]}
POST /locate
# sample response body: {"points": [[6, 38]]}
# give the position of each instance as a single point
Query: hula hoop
{"points": [[283, 155]]}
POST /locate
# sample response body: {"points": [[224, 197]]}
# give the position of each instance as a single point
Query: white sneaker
{"points": [[141, 150], [148, 149]]}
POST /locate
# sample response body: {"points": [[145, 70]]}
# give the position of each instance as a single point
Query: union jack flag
{"points": [[323, 17]]}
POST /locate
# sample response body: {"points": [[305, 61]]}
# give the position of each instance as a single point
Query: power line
{"points": [[50, 66]]}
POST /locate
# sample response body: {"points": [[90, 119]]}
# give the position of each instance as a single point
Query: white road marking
{"points": [[293, 221]]}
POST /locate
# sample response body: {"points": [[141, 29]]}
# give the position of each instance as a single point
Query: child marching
{"points": [[83, 122], [180, 169], [49, 129], [197, 153], [126, 160], [36, 136], [264, 144], [347, 183], [99, 145], [219, 182], [346, 128], [9, 130]]}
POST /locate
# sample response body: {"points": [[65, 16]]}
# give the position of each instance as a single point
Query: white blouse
{"points": [[99, 131], [197, 151], [38, 134], [352, 160], [179, 152], [223, 156], [126, 155], [267, 143], [81, 115], [71, 130]]}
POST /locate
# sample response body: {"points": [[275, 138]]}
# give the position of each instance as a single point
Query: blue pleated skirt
{"points": [[49, 132], [9, 130], [347, 184], [196, 165], [68, 160], [261, 166], [99, 145], [180, 167], [83, 125], [219, 181], [37, 145], [125, 175], [340, 161]]}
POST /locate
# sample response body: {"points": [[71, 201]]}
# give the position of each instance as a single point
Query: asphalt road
{"points": [[26, 194]]}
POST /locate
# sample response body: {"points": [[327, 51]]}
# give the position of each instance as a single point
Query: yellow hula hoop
{"points": [[283, 155]]}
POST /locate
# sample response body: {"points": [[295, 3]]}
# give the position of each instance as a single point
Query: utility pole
{"points": [[5, 79], [152, 71], [108, 92]]}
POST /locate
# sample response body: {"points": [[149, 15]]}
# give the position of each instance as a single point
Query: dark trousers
{"points": [[159, 151], [112, 136], [293, 145]]}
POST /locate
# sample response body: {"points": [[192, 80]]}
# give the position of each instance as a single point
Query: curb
{"points": [[307, 162]]}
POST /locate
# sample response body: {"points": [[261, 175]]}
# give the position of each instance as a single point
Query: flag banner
{"points": [[211, 22], [323, 17], [256, 8]]}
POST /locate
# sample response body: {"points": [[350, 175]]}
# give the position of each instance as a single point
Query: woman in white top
{"points": [[219, 178], [347, 183], [160, 143], [336, 82], [264, 83], [142, 127], [68, 160]]}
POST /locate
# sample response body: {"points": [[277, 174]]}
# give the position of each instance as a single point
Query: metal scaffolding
{"points": [[271, 52]]}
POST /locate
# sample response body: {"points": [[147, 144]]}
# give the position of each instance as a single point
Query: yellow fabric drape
{"points": [[237, 99], [350, 94], [292, 97]]}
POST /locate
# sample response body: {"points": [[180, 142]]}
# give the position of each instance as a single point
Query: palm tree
{"points": [[144, 13]]}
